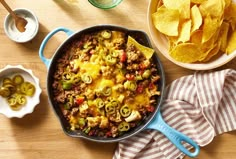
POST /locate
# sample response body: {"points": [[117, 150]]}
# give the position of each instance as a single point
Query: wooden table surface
{"points": [[39, 135]]}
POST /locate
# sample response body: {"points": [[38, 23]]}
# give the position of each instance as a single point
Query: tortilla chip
{"points": [[148, 52], [166, 21], [196, 18], [186, 52], [185, 28], [231, 47]]}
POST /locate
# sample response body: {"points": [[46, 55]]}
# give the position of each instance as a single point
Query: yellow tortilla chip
{"points": [[231, 47], [223, 36], [210, 27], [210, 53], [148, 52], [166, 21], [227, 3], [186, 52], [196, 37], [215, 8], [198, 1], [196, 18], [182, 5], [185, 31]]}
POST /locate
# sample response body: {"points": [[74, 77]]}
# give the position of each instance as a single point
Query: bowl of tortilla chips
{"points": [[194, 34]]}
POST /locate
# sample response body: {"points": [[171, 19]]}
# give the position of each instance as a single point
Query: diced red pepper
{"points": [[129, 77], [140, 88], [151, 86], [91, 132], [108, 134], [79, 100], [150, 108], [123, 57], [142, 66]]}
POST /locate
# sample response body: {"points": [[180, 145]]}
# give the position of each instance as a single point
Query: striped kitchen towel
{"points": [[200, 106]]}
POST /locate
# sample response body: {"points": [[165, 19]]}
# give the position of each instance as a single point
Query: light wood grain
{"points": [[39, 135]]}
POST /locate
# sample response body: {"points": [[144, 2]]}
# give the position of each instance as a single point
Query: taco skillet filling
{"points": [[105, 83]]}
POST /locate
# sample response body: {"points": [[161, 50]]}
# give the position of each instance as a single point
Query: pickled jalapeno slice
{"points": [[106, 34], [123, 126], [6, 80], [27, 88], [18, 79], [125, 111], [5, 92], [100, 103], [20, 99], [12, 101], [109, 108], [106, 91], [86, 78]]}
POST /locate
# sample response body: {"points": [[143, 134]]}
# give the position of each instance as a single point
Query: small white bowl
{"points": [[161, 42], [32, 26], [9, 71]]}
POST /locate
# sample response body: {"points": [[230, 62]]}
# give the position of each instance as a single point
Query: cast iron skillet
{"points": [[153, 121]]}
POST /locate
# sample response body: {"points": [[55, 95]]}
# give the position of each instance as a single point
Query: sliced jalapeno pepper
{"points": [[6, 80], [20, 99], [106, 91], [11, 87], [110, 60], [67, 76], [123, 126], [5, 92], [27, 88], [106, 34], [81, 122], [100, 103], [87, 78], [115, 53], [146, 74], [11, 101], [115, 103], [130, 85], [125, 111], [18, 79], [110, 109], [76, 79]]}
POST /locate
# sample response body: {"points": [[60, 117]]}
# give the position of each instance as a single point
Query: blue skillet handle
{"points": [[173, 135], [45, 60]]}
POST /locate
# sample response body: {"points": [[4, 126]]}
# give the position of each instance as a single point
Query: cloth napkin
{"points": [[200, 106]]}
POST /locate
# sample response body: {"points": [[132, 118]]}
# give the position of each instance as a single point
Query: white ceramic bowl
{"points": [[10, 71], [161, 43], [32, 26]]}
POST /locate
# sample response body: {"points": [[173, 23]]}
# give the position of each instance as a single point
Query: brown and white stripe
{"points": [[200, 106]]}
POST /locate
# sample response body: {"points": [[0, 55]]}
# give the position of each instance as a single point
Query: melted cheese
{"points": [[93, 69], [140, 99]]}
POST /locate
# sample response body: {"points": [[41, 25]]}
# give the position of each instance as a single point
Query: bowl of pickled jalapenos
{"points": [[19, 91]]}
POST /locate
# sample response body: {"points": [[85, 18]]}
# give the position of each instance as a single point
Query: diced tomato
{"points": [[79, 100], [91, 133], [140, 88], [142, 66], [151, 86], [129, 77], [150, 108], [123, 57], [108, 134]]}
